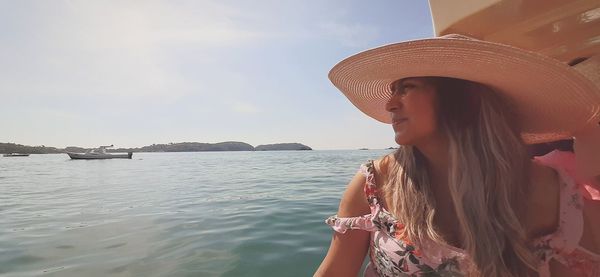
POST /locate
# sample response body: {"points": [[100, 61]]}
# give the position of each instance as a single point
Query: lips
{"points": [[398, 120]]}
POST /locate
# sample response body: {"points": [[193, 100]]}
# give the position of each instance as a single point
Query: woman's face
{"points": [[413, 107]]}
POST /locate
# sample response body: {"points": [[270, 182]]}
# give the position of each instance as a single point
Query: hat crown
{"points": [[543, 89], [456, 36], [590, 68]]}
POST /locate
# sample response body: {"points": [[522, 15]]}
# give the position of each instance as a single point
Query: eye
{"points": [[402, 88], [406, 86]]}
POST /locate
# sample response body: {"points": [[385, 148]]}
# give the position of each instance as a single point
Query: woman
{"points": [[461, 197]]}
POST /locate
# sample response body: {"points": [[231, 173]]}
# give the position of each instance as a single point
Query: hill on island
{"points": [[7, 148], [190, 147], [282, 146], [170, 147]]}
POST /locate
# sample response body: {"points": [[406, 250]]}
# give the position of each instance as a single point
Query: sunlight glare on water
{"points": [[171, 214]]}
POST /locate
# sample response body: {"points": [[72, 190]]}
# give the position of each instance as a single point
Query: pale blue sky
{"points": [[133, 73]]}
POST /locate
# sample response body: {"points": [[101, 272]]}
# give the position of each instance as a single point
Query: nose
{"points": [[393, 103]]}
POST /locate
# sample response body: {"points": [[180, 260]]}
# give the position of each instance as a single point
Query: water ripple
{"points": [[171, 214]]}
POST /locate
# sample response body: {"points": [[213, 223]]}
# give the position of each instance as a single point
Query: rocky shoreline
{"points": [[6, 148]]}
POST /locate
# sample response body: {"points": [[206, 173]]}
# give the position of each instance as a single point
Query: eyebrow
{"points": [[394, 84], [398, 82], [408, 79]]}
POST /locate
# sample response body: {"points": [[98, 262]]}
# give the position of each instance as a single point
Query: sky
{"points": [[135, 73]]}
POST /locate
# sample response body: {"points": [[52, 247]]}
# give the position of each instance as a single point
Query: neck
{"points": [[436, 154]]}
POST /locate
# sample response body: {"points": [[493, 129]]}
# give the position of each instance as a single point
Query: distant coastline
{"points": [[6, 148]]}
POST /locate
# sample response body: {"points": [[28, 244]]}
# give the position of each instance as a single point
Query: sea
{"points": [[172, 214]]}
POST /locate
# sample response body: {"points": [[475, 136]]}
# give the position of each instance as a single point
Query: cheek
{"points": [[432, 123], [425, 111]]}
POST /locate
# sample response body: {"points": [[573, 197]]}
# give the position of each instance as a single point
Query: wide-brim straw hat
{"points": [[552, 100]]}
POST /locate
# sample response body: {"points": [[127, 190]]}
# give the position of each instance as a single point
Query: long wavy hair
{"points": [[487, 178]]}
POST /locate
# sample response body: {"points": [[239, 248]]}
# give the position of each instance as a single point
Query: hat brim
{"points": [[552, 100]]}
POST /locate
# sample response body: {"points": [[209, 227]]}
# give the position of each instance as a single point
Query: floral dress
{"points": [[563, 245], [392, 255]]}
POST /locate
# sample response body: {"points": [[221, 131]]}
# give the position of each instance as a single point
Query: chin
{"points": [[403, 140]]}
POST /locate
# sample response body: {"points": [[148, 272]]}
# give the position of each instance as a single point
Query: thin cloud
{"points": [[350, 34], [113, 48], [138, 72], [245, 108]]}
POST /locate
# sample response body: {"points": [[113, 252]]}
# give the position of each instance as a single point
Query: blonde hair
{"points": [[487, 178]]}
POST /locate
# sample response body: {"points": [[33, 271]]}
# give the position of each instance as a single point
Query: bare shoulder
{"points": [[382, 168], [543, 200], [354, 201]]}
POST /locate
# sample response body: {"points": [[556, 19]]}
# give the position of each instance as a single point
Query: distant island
{"points": [[6, 148], [282, 146]]}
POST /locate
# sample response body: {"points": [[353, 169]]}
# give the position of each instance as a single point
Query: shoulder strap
{"points": [[566, 161], [368, 169], [570, 227]]}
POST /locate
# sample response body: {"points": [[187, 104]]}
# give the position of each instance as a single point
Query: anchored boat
{"points": [[99, 154], [15, 155]]}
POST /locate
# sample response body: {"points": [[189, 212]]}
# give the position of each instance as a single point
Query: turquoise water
{"points": [[171, 214]]}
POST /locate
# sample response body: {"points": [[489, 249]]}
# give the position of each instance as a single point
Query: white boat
{"points": [[99, 154], [16, 155]]}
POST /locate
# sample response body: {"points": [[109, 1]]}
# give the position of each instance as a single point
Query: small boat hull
{"points": [[97, 156], [16, 155]]}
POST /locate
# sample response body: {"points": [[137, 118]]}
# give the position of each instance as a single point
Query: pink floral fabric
{"points": [[392, 255], [563, 245]]}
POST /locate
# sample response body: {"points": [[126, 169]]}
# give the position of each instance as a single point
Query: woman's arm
{"points": [[347, 251]]}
